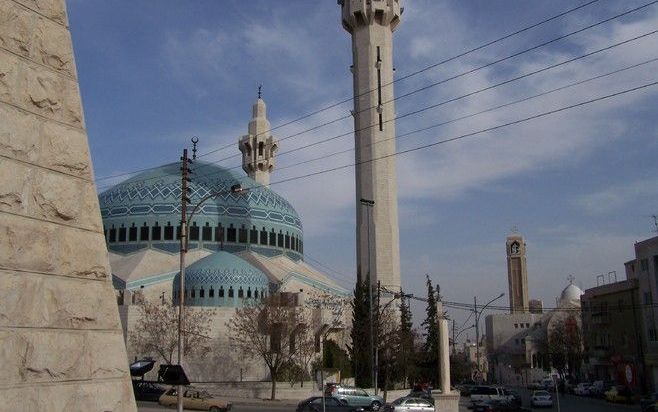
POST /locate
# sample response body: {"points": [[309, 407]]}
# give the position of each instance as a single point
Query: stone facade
{"points": [[371, 25], [61, 340]]}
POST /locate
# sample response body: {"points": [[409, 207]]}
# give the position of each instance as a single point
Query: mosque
{"points": [[244, 245]]}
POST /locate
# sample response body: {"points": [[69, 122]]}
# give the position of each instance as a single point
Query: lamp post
{"points": [[184, 242], [477, 327], [369, 204], [454, 337]]}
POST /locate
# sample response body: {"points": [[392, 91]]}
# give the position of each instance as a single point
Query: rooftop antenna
{"points": [[195, 140], [260, 90]]}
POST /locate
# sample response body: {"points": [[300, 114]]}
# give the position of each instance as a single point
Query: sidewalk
{"points": [[155, 407]]}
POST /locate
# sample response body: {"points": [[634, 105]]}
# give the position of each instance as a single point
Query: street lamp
{"points": [[477, 326], [184, 242], [369, 204]]}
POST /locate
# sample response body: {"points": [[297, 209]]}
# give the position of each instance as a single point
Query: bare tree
{"points": [[305, 352], [156, 331], [268, 330]]}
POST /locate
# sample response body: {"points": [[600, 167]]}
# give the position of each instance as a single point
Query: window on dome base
{"points": [[230, 292], [156, 232], [263, 237], [206, 234], [253, 235], [220, 292], [193, 293], [242, 232], [178, 232], [279, 239], [122, 234], [230, 234], [211, 293], [113, 234], [169, 232], [144, 233], [240, 293], [219, 233], [256, 294], [132, 233], [272, 238], [287, 245], [194, 231], [202, 293]]}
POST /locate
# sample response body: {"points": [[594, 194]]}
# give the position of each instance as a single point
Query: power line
{"points": [[424, 69], [425, 108]]}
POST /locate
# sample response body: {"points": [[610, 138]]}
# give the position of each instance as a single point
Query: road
{"points": [[154, 407], [570, 403]]}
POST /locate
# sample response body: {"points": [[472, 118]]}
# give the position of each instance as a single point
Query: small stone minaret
{"points": [[258, 146]]}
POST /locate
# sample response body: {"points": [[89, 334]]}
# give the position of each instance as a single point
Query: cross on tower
{"points": [[571, 278]]}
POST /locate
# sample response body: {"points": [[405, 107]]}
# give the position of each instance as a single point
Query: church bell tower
{"points": [[371, 24], [517, 274], [258, 147]]}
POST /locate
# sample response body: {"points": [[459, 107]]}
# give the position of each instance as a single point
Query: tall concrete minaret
{"points": [[371, 24], [258, 147]]}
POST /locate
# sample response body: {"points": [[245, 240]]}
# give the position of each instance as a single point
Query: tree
{"points": [[565, 345], [268, 330], [404, 359], [304, 353], [430, 324], [360, 334], [156, 331]]}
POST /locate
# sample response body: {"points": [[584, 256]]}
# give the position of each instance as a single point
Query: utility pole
{"points": [[454, 350], [183, 250], [377, 320], [477, 336]]}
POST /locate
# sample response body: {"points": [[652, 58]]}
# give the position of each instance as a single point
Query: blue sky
{"points": [[580, 185]]}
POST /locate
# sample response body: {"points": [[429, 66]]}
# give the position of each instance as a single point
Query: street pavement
{"points": [[568, 403]]}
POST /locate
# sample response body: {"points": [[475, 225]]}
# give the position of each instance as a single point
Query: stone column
{"points": [[61, 340], [446, 401]]}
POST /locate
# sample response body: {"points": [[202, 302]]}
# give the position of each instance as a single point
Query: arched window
{"points": [[249, 293], [263, 237], [230, 292], [202, 293], [272, 238], [256, 294], [193, 293], [194, 231], [211, 293], [169, 232], [242, 234], [230, 234], [132, 233], [156, 232], [279, 239], [219, 233], [206, 234], [113, 234], [260, 148], [287, 244], [144, 233], [253, 235], [122, 233], [220, 293], [240, 292]]}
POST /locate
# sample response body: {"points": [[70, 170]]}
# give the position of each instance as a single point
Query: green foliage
{"points": [[360, 334], [404, 359], [336, 358], [428, 361]]}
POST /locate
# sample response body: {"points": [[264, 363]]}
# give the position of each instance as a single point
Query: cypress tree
{"points": [[360, 334], [431, 334], [405, 342]]}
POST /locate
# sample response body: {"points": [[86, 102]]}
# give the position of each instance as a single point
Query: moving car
{"points": [[331, 404], [147, 390], [355, 396], [620, 394], [541, 398], [196, 400], [408, 404], [486, 393], [427, 395]]}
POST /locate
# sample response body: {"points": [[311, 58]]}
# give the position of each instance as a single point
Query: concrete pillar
{"points": [[444, 355]]}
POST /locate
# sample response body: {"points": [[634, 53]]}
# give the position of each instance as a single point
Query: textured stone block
{"points": [[19, 135], [27, 244], [12, 79], [14, 187], [50, 43], [19, 400], [107, 355], [16, 25], [64, 149], [30, 356], [82, 254], [52, 9], [112, 395], [49, 303]]}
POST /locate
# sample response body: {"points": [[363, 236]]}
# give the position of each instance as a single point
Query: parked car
{"points": [[355, 396], [540, 399], [147, 390], [499, 406], [331, 404], [513, 397], [649, 404], [409, 404], [582, 389], [485, 393], [427, 395], [196, 400], [621, 394]]}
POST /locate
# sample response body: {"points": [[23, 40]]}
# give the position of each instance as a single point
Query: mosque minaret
{"points": [[258, 147], [371, 24]]}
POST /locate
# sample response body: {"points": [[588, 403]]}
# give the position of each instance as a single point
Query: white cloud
{"points": [[617, 196]]}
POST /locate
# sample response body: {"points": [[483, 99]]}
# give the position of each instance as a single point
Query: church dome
{"points": [[222, 279], [571, 294], [144, 212]]}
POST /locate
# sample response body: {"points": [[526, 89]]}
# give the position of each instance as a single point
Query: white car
{"points": [[582, 389], [541, 398]]}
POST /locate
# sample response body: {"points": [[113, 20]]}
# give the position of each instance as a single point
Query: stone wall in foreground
{"points": [[61, 346]]}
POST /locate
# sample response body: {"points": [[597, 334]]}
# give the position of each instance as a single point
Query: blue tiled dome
{"points": [[144, 211], [222, 279]]}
